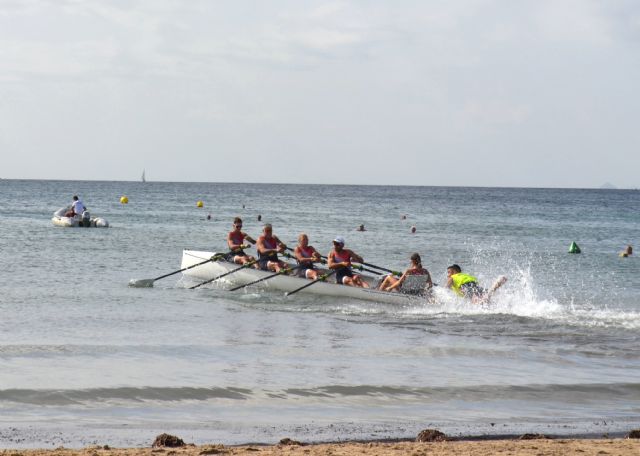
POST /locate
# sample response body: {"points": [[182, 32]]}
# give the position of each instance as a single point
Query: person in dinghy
{"points": [[340, 259], [269, 246], [236, 242], [307, 256], [466, 286], [77, 207]]}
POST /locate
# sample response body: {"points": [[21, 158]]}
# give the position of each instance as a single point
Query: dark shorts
{"points": [[342, 273], [231, 256], [262, 262], [472, 289], [302, 270]]}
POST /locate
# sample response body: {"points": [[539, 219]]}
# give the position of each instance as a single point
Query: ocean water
{"points": [[85, 359]]}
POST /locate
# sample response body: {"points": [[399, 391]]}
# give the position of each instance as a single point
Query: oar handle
{"points": [[365, 264], [382, 269], [282, 272], [246, 265], [319, 279], [359, 267]]}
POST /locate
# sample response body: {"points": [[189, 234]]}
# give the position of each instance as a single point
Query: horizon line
{"points": [[605, 186]]}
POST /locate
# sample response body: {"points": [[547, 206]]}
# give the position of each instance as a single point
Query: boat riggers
{"points": [[148, 283], [282, 272]]}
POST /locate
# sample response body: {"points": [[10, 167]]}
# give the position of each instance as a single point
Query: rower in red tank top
{"points": [[340, 259], [269, 246], [306, 256], [235, 241]]}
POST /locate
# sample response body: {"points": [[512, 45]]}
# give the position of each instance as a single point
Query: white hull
{"points": [[285, 283], [59, 219]]}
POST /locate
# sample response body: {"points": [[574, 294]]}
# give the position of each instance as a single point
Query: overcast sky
{"points": [[483, 93]]}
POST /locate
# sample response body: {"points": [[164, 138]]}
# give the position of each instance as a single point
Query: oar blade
{"points": [[141, 283]]}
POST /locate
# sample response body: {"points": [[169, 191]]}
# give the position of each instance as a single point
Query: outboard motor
{"points": [[86, 219]]}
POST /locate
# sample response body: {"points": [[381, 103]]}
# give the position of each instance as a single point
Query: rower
{"points": [[306, 255], [340, 259], [269, 246], [236, 242]]}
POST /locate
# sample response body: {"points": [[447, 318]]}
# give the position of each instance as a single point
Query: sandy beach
{"points": [[541, 447]]}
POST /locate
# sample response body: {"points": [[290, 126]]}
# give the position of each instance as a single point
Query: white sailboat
{"points": [[143, 179]]}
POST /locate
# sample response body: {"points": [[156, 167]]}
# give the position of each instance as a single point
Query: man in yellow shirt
{"points": [[467, 286]]}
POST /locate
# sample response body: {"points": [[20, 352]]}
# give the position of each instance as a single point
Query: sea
{"points": [[87, 360]]}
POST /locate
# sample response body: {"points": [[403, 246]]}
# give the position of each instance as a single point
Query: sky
{"points": [[509, 93]]}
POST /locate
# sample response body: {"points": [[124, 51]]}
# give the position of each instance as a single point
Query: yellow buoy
{"points": [[124, 200], [200, 204]]}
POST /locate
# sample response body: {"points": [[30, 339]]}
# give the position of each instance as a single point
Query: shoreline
{"points": [[170, 442], [471, 446], [29, 441]]}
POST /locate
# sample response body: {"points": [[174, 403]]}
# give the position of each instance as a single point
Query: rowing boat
{"points": [[287, 283]]}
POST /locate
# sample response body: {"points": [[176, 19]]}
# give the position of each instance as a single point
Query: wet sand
{"points": [[541, 447]]}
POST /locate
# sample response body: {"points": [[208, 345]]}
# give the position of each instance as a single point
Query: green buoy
{"points": [[573, 248]]}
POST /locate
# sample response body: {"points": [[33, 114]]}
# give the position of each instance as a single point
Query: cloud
{"points": [[339, 76], [496, 112]]}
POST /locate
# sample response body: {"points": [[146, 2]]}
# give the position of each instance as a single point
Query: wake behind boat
{"points": [[212, 269]]}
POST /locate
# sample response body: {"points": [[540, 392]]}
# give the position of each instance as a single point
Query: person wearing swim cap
{"points": [[340, 259]]}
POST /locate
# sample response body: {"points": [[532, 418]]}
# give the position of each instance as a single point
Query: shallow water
{"points": [[85, 359]]}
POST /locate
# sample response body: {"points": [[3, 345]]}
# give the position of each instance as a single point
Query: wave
{"points": [[130, 394], [474, 393], [519, 297]]}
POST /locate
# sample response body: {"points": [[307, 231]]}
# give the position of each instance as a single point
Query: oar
{"points": [[246, 265], [323, 277], [355, 266], [283, 271], [148, 283], [359, 267], [381, 268]]}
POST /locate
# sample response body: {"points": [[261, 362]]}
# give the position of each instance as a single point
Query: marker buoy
{"points": [[124, 200], [200, 204], [573, 248]]}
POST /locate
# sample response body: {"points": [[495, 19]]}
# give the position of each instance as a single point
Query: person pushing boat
{"points": [[306, 255], [415, 279], [236, 242], [340, 259], [466, 286], [268, 247]]}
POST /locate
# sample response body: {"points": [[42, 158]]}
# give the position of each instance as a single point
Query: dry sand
{"points": [[559, 447]]}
